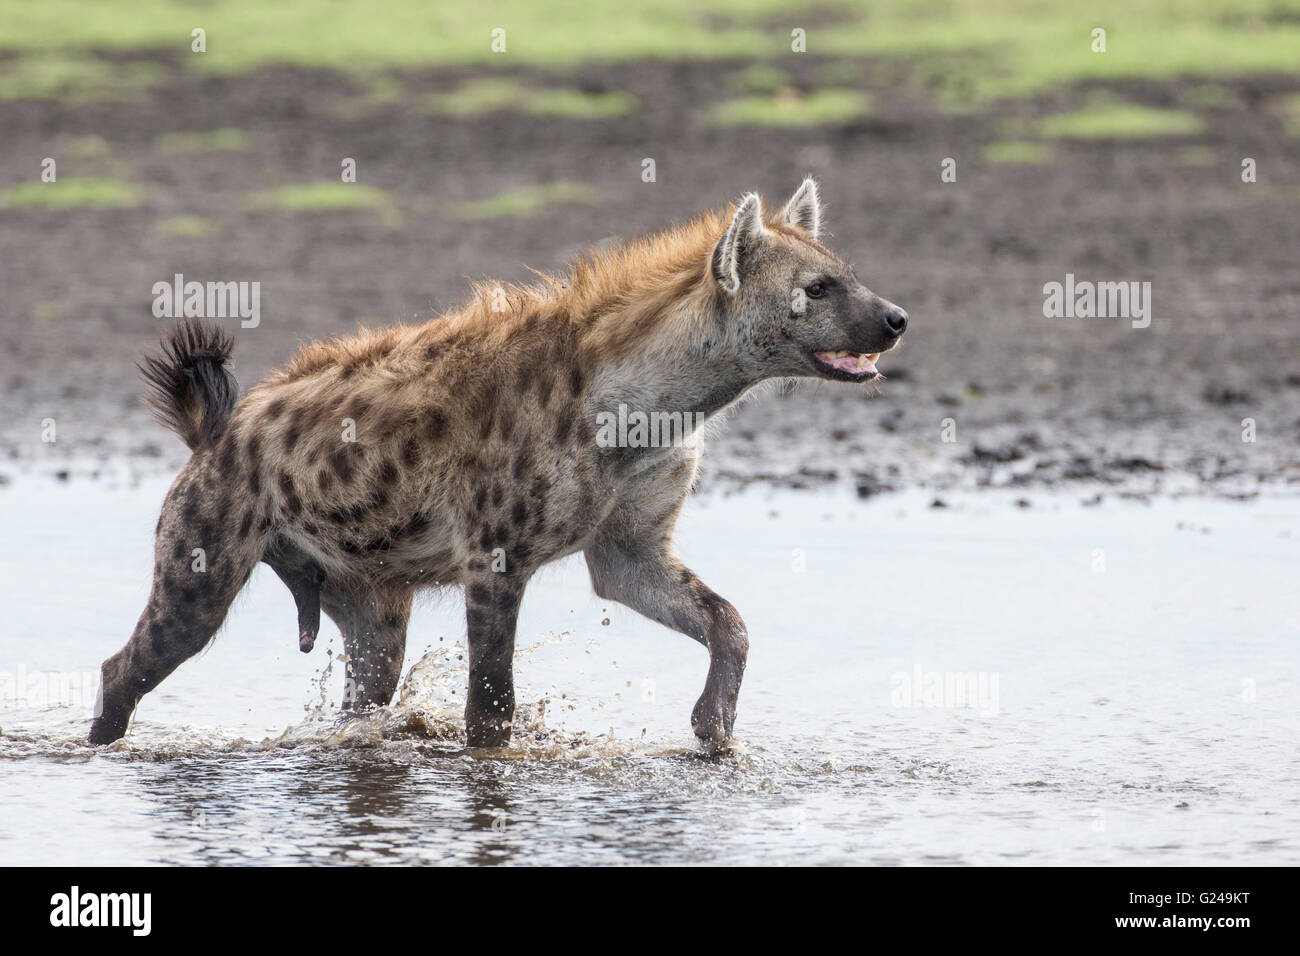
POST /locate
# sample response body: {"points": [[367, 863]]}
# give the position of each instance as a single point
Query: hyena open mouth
{"points": [[850, 366]]}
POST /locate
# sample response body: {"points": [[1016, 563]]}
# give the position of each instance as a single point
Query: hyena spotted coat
{"points": [[463, 452]]}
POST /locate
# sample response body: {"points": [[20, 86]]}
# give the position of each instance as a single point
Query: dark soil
{"points": [[1034, 401]]}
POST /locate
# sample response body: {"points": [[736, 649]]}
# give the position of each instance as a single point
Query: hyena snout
{"points": [[883, 317], [877, 325], [895, 317]]}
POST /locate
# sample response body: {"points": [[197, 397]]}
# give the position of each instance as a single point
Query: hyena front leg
{"points": [[651, 580], [374, 639], [203, 554], [491, 614]]}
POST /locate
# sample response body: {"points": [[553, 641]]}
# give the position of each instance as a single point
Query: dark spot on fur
{"points": [[293, 430], [340, 462], [480, 499], [575, 381], [518, 513], [246, 525], [498, 495], [388, 473], [523, 461], [227, 457], [276, 408], [506, 422], [545, 382], [324, 480], [479, 594], [436, 426], [411, 453]]}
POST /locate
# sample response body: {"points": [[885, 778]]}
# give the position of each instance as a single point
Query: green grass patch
{"points": [[1000, 48], [759, 78], [828, 107], [211, 141], [321, 197], [1120, 121], [478, 96], [523, 202], [84, 193], [495, 94], [576, 104], [75, 80], [1018, 152], [185, 227]]}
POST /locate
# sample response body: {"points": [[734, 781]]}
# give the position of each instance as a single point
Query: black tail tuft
{"points": [[190, 389]]}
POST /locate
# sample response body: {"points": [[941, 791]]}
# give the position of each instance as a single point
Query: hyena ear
{"points": [[739, 241], [804, 210]]}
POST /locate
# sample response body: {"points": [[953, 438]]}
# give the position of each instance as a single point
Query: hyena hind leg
{"points": [[200, 564], [374, 638]]}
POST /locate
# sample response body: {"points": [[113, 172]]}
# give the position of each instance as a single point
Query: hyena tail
{"points": [[191, 390]]}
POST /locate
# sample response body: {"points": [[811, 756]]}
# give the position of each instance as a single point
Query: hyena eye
{"points": [[815, 291]]}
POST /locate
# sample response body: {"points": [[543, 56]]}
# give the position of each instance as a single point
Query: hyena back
{"points": [[465, 452]]}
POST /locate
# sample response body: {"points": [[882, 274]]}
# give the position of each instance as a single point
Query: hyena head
{"points": [[798, 309]]}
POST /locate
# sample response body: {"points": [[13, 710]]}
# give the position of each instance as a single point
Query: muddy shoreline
{"points": [[1031, 402]]}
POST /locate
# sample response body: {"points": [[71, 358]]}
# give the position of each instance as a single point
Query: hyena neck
{"points": [[680, 377]]}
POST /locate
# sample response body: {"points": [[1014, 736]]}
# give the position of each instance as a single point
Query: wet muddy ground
{"points": [[1030, 402]]}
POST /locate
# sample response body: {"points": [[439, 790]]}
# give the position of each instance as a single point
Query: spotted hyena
{"points": [[464, 452]]}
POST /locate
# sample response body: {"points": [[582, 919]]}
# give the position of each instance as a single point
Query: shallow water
{"points": [[982, 683]]}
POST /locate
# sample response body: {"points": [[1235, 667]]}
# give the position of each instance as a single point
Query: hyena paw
{"points": [[488, 735], [105, 730], [712, 721]]}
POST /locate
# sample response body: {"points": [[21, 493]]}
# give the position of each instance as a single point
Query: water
{"points": [[978, 684]]}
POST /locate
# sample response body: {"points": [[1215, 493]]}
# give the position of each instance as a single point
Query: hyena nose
{"points": [[896, 319]]}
